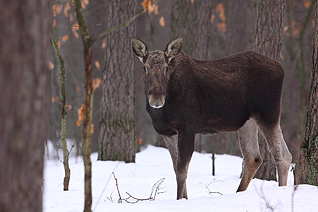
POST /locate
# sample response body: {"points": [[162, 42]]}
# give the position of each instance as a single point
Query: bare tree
{"points": [[268, 41], [67, 170], [306, 170], [24, 108]]}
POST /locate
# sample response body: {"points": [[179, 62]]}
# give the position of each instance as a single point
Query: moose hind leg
{"points": [[279, 150], [250, 151], [172, 145]]}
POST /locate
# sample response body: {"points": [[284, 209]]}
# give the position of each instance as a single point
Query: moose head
{"points": [[157, 70]]}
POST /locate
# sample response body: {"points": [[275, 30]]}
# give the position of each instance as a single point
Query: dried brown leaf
{"points": [[162, 21], [104, 43], [57, 9], [156, 12], [55, 99], [54, 23], [219, 7], [97, 65], [212, 18], [221, 27], [67, 8], [148, 5], [50, 65], [307, 3], [75, 29], [80, 113], [96, 83], [65, 38], [92, 128]]}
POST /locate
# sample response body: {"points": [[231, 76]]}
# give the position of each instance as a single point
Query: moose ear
{"points": [[139, 48], [173, 48]]}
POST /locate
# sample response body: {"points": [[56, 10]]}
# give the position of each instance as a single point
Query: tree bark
{"points": [[306, 169], [117, 139], [268, 41], [237, 35], [24, 108], [193, 22]]}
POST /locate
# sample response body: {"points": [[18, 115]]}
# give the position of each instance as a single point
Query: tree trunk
{"points": [[117, 121], [67, 170], [268, 41], [24, 108], [88, 103], [306, 170], [238, 34], [192, 20]]}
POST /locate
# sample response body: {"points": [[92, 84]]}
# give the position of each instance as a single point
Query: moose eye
{"points": [[166, 70], [145, 70]]}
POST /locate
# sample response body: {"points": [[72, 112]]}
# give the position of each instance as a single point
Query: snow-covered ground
{"points": [[153, 164]]}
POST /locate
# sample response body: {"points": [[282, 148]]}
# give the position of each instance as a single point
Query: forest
{"points": [[72, 86]]}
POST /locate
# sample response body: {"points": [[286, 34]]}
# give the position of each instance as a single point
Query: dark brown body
{"points": [[219, 95], [240, 92]]}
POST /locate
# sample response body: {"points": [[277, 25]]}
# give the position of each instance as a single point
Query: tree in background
{"points": [[296, 55], [24, 108], [268, 41], [117, 137], [306, 169], [192, 20], [63, 112]]}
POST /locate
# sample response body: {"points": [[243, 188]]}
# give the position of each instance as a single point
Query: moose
{"points": [[240, 93]]}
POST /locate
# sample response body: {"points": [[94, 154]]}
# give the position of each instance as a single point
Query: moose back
{"points": [[187, 96]]}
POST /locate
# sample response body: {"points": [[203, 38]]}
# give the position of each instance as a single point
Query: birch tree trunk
{"points": [[24, 107], [268, 41]]}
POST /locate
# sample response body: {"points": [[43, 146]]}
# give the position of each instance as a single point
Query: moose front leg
{"points": [[185, 151]]}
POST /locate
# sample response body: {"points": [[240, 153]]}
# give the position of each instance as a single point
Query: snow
{"points": [[153, 164]]}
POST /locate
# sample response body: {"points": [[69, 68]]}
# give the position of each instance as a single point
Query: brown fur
{"points": [[187, 96]]}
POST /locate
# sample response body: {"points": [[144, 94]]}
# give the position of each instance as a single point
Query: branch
{"points": [[82, 23], [213, 192], [125, 24], [302, 32], [61, 1], [261, 194], [293, 197], [152, 196]]}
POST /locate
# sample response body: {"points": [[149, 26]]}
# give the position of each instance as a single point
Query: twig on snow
{"points": [[131, 199], [213, 192]]}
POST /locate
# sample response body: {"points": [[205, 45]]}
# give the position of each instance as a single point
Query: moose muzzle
{"points": [[156, 101]]}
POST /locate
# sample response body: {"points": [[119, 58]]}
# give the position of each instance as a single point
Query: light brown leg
{"points": [[279, 150], [250, 152]]}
